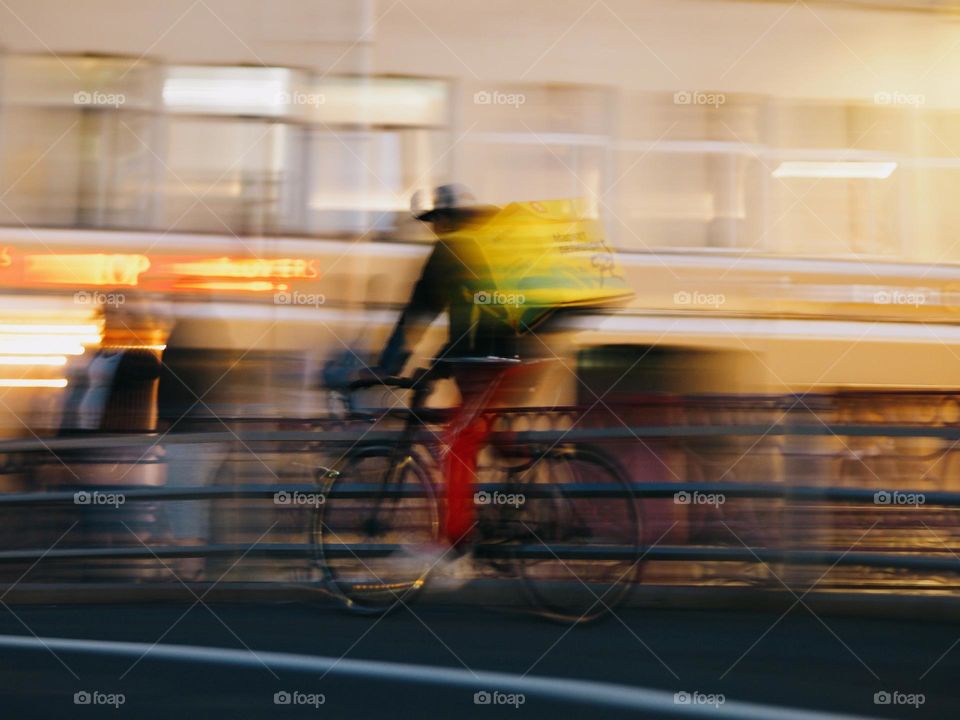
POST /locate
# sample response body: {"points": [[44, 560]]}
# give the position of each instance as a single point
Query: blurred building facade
{"points": [[796, 162], [314, 118]]}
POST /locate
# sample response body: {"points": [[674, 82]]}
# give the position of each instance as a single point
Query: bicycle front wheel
{"points": [[376, 528]]}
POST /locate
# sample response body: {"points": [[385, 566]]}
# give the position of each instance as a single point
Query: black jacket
{"points": [[451, 279]]}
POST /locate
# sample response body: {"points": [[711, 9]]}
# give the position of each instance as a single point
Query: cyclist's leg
{"points": [[464, 438], [461, 468], [468, 431]]}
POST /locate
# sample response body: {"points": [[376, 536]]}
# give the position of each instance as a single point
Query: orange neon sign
{"points": [[85, 268], [240, 286], [227, 267], [162, 272]]}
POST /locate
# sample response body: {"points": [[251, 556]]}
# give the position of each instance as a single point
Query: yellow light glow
{"points": [[851, 170], [156, 348], [33, 383], [49, 360]]}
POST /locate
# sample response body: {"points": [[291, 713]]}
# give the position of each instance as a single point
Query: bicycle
{"points": [[534, 517]]}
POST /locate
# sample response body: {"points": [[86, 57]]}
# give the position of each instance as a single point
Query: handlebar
{"points": [[403, 383], [397, 382], [439, 369]]}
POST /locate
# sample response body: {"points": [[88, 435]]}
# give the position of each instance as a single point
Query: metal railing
{"points": [[32, 453], [640, 491]]}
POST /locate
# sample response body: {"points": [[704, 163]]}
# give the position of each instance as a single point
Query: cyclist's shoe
{"points": [[441, 561], [459, 568]]}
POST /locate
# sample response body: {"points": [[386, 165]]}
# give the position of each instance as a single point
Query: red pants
{"points": [[465, 436]]}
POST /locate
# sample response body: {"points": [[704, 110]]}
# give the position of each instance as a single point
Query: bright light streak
{"points": [[89, 329], [32, 383], [39, 345], [48, 360], [853, 170], [231, 90], [52, 341]]}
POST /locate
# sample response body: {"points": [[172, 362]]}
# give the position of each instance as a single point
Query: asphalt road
{"points": [[831, 664]]}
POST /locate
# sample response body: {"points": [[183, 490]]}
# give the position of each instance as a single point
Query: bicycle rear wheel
{"points": [[374, 549], [587, 548]]}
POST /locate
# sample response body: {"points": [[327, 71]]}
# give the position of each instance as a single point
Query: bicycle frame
{"points": [[454, 514], [460, 442]]}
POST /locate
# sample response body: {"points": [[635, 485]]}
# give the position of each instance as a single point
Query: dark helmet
{"points": [[446, 199]]}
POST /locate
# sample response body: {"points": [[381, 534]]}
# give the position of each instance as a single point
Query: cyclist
{"points": [[452, 278], [487, 337], [455, 279]]}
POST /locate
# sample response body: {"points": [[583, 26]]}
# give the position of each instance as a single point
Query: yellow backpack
{"points": [[535, 257]]}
